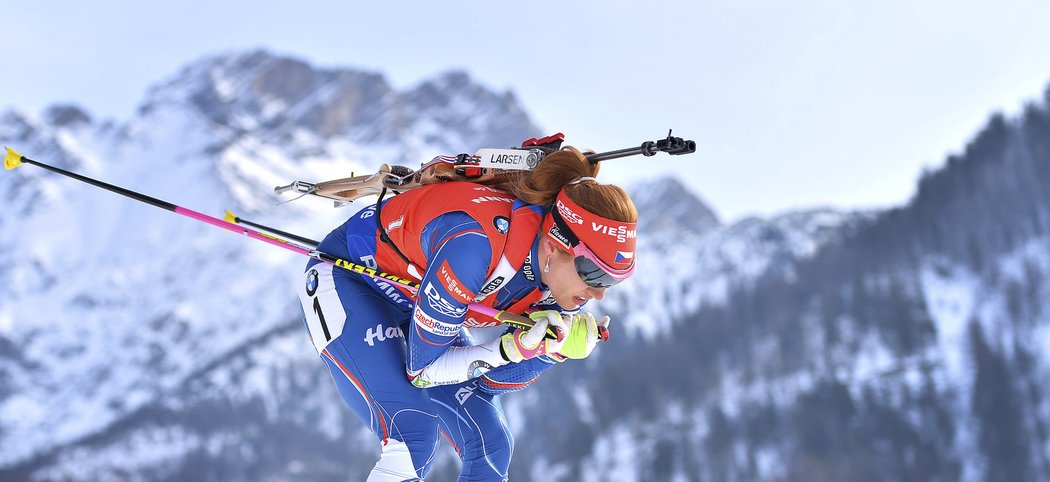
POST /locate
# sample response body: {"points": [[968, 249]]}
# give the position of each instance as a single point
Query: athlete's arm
{"points": [[458, 255], [516, 376]]}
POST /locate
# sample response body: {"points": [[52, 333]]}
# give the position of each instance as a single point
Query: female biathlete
{"points": [[401, 360]]}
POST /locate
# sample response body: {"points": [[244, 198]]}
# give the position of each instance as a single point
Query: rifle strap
{"points": [[382, 230]]}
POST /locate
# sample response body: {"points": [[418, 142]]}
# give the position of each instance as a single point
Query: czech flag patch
{"points": [[624, 256]]}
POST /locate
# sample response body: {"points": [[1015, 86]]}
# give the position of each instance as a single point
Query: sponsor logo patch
{"points": [[491, 286], [502, 224], [454, 286], [556, 234], [567, 214], [621, 233], [441, 305], [311, 282], [434, 326], [526, 269], [464, 393], [382, 334]]}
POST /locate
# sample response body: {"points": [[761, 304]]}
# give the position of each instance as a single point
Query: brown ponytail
{"points": [[559, 169]]}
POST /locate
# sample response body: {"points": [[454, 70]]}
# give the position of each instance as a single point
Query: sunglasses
{"points": [[594, 272]]}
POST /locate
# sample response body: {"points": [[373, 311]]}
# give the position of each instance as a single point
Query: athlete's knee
{"points": [[487, 461], [500, 447], [411, 446], [396, 464]]}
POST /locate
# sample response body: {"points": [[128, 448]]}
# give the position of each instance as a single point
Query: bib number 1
{"points": [[324, 313]]}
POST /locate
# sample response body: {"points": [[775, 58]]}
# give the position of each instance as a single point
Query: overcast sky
{"points": [[793, 104]]}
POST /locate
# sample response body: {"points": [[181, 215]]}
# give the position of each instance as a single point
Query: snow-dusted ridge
{"points": [[688, 258]]}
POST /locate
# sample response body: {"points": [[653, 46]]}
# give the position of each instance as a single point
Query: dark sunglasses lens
{"points": [[592, 274]]}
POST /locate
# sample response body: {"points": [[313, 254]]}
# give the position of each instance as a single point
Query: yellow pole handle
{"points": [[12, 160]]}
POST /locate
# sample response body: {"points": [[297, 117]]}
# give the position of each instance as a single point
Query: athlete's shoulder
{"points": [[520, 206]]}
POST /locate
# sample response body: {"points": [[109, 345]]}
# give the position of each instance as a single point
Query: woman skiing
{"points": [[556, 240]]}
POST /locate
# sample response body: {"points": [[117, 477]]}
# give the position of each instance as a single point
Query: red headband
{"points": [[612, 241]]}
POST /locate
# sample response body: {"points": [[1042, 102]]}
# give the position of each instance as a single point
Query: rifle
{"points": [[486, 166]]}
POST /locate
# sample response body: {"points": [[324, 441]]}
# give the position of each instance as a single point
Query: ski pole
{"points": [[499, 315], [12, 160], [307, 242]]}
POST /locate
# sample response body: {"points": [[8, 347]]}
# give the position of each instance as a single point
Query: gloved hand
{"points": [[583, 336], [520, 345]]}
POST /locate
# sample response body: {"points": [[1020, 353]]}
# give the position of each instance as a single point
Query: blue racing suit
{"points": [[370, 332]]}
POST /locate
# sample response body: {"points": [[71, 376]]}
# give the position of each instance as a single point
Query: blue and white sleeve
{"points": [[458, 254]]}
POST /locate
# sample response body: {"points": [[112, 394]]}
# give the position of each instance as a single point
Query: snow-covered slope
{"points": [[909, 345], [691, 259]]}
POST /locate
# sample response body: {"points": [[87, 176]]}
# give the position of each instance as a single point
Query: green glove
{"points": [[582, 336]]}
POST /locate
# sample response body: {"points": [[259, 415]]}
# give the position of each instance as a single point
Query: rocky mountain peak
{"points": [[66, 115], [281, 95], [665, 204]]}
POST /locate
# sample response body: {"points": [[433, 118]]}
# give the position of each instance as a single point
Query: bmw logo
{"points": [[502, 224], [311, 282]]}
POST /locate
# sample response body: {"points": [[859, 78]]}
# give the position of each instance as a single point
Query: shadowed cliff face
{"points": [[264, 94]]}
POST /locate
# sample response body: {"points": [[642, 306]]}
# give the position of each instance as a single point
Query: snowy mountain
{"points": [[814, 345], [330, 111], [909, 344]]}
